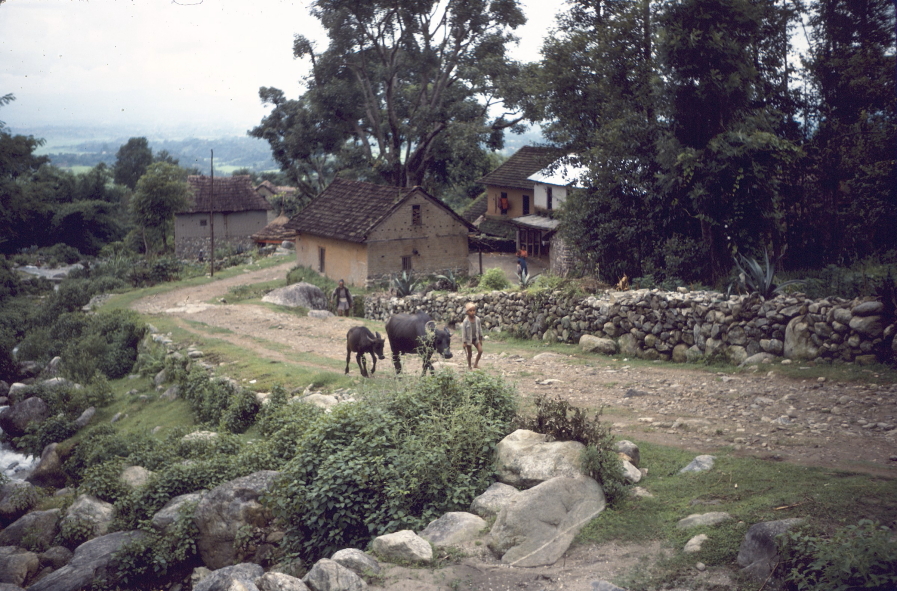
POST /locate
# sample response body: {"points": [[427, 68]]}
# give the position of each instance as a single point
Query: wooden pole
{"points": [[212, 217]]}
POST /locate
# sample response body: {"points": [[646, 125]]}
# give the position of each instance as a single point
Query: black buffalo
{"points": [[360, 340], [417, 333]]}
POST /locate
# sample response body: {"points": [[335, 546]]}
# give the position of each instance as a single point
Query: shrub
{"points": [[241, 412], [405, 285], [862, 556], [494, 280], [395, 462], [208, 397], [104, 481]]}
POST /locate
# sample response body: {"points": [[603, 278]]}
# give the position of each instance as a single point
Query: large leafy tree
{"points": [[161, 192], [131, 161], [399, 87]]}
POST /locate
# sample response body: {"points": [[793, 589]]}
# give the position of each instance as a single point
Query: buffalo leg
{"points": [[396, 362], [362, 363], [373, 363], [428, 364], [348, 357]]}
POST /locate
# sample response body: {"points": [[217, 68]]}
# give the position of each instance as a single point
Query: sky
{"points": [[162, 65]]}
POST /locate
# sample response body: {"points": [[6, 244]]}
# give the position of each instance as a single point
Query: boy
{"points": [[472, 334]]}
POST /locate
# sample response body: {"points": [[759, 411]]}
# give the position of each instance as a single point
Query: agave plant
{"points": [[527, 280], [404, 285], [449, 278], [752, 277]]}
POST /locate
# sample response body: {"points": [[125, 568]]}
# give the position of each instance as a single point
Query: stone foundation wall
{"points": [[189, 248], [653, 324]]}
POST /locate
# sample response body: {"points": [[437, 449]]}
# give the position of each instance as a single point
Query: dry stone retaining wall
{"points": [[654, 324]]}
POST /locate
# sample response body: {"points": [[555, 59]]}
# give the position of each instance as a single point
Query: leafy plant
{"points": [[494, 280], [405, 285], [449, 279], [527, 280], [752, 277]]}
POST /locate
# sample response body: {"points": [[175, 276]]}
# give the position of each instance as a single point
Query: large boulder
{"points": [[758, 554], [49, 469], [798, 340], [298, 295], [17, 565], [14, 420], [526, 458], [167, 515], [135, 476], [93, 560], [279, 582], [16, 498], [231, 578], [40, 527], [538, 525], [329, 575], [225, 510], [357, 561], [91, 511], [593, 344], [402, 546], [493, 500], [453, 529]]}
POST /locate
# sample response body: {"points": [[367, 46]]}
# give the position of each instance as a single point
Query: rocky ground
{"points": [[814, 422]]}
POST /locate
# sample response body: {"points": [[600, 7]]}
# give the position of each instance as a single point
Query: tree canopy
{"points": [[131, 161], [161, 192]]}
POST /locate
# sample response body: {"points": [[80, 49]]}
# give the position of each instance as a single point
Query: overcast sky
{"points": [[155, 64]]}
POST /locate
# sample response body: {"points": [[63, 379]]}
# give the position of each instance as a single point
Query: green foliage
{"points": [[449, 280], [494, 279], [405, 285], [104, 481], [241, 412], [218, 400], [74, 532], [396, 461], [161, 191], [132, 161], [754, 278], [526, 280], [862, 556]]}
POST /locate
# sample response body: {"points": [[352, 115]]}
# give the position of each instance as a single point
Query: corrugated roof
{"points": [[514, 171], [349, 210], [231, 194]]}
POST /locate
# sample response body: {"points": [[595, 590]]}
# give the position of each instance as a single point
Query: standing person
{"points": [[342, 298], [472, 334], [521, 260]]}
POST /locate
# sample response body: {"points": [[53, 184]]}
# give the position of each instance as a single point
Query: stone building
{"points": [[363, 233]]}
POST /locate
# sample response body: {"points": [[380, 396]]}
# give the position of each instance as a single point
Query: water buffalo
{"points": [[417, 333], [360, 340]]}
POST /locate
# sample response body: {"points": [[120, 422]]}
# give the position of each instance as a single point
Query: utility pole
{"points": [[212, 217]]}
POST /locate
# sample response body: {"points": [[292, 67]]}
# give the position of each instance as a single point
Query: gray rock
{"points": [[357, 561], [10, 587], [736, 354], [304, 295], [872, 308], [593, 344], [83, 420], [537, 527], [869, 326], [135, 476], [798, 340], [328, 575], [605, 586], [453, 529], [92, 560], [758, 358], [694, 544], [493, 499], [322, 314], [90, 510], [17, 565], [56, 557], [49, 470], [403, 546], [16, 499], [525, 458], [627, 447], [167, 515], [631, 474], [758, 553], [680, 353], [279, 582], [52, 369], [14, 420], [17, 392], [39, 526], [699, 464], [224, 579], [698, 519], [227, 508]]}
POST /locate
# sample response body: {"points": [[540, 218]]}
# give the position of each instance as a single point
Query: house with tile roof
{"points": [[267, 189], [231, 207], [364, 233]]}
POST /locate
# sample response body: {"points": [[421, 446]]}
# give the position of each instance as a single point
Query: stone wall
{"points": [[653, 324]]}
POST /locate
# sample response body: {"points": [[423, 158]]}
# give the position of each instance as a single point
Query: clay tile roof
{"points": [[349, 210], [514, 171], [231, 194], [275, 231]]}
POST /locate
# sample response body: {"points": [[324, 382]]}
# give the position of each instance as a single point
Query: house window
{"points": [[526, 205], [406, 263], [503, 204], [320, 259], [203, 222], [415, 215], [549, 198]]}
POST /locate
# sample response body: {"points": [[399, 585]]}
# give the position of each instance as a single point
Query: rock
{"points": [[694, 544], [90, 510], [758, 553], [17, 565], [872, 308], [604, 585], [279, 582], [630, 449], [631, 474], [493, 499], [322, 314], [699, 464], [402, 546], [227, 508], [694, 354], [697, 519], [546, 357], [680, 353], [304, 295], [49, 470], [758, 358], [84, 419], [92, 560], [56, 557], [325, 401], [17, 392], [737, 354], [525, 458], [537, 527], [357, 561], [593, 344], [798, 340], [629, 345], [39, 526], [329, 575], [869, 326], [14, 420], [167, 515], [16, 499], [453, 529], [224, 579], [135, 476]]}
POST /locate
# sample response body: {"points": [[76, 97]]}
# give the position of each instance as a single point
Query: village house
{"points": [[364, 233], [233, 210]]}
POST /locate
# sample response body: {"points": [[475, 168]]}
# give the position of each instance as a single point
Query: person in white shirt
{"points": [[472, 334]]}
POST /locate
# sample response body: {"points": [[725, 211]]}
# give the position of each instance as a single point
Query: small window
{"points": [[406, 263], [549, 198], [415, 215], [320, 259], [526, 205], [203, 222]]}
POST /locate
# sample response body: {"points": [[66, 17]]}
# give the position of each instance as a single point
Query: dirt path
{"points": [[843, 425]]}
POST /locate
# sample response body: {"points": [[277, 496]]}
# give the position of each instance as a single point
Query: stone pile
{"points": [[675, 326]]}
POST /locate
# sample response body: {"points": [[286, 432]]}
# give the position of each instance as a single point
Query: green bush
{"points": [[59, 254], [104, 481], [862, 556], [494, 280], [208, 397], [397, 461], [241, 412]]}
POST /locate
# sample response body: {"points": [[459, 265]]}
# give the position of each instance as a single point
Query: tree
{"points": [[161, 192], [131, 162], [395, 82]]}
